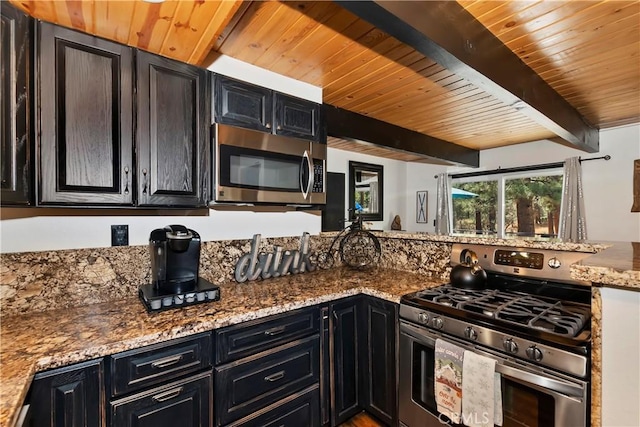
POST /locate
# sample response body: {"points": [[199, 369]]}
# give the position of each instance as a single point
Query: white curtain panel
{"points": [[443, 202], [573, 225], [373, 197]]}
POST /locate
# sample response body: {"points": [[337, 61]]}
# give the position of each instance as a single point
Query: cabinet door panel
{"points": [[86, 112], [344, 322], [69, 397], [172, 133], [243, 104], [15, 87], [182, 403], [380, 397], [297, 117]]}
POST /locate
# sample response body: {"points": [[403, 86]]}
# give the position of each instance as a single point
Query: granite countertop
{"points": [[618, 266], [40, 341]]}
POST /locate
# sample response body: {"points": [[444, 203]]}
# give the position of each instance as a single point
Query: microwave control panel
{"points": [[318, 176]]}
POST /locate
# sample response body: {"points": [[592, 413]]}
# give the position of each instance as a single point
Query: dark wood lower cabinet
{"points": [[345, 345], [379, 359], [187, 403], [72, 396]]}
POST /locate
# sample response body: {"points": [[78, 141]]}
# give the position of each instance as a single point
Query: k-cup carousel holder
{"points": [[155, 300]]}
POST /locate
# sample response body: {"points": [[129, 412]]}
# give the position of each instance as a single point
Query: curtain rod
{"points": [[521, 168]]}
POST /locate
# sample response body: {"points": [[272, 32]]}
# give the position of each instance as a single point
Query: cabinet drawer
{"points": [[300, 409], [246, 386], [134, 369], [248, 338], [182, 403]]}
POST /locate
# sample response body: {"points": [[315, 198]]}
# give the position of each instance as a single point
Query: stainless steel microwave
{"points": [[257, 167]]}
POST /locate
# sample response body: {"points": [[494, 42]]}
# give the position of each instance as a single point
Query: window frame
{"points": [[501, 178]]}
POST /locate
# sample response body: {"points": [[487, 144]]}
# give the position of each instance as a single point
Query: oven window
{"points": [[523, 406], [422, 384]]}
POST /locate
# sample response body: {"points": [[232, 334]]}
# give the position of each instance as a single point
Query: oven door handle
{"points": [[542, 381], [545, 382]]}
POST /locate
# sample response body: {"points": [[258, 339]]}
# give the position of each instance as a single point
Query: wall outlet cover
{"points": [[119, 235]]}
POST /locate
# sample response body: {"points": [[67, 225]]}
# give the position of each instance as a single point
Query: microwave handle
{"points": [[306, 189]]}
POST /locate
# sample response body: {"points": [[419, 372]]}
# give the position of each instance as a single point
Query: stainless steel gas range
{"points": [[531, 318]]}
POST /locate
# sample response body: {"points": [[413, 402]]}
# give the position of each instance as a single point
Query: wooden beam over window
{"points": [[352, 126], [445, 32]]}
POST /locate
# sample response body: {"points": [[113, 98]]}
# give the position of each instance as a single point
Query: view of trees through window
{"points": [[531, 206]]}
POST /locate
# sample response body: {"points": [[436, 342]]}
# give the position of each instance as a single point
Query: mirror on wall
{"points": [[366, 190]]}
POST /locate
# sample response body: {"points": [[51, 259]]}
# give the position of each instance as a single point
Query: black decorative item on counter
{"points": [[175, 263], [358, 248]]}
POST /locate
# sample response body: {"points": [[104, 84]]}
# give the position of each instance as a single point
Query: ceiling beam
{"points": [[445, 32], [352, 126]]}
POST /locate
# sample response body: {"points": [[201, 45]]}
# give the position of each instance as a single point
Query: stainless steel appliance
{"points": [[530, 318], [256, 167], [175, 266]]}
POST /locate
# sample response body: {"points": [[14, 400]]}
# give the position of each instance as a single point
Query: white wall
{"points": [[394, 185], [620, 355], [608, 185]]}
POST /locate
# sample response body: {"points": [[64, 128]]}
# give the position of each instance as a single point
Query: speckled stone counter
{"points": [[43, 340], [617, 266]]}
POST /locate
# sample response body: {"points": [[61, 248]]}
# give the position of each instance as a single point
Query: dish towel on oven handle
{"points": [[481, 391], [448, 379]]}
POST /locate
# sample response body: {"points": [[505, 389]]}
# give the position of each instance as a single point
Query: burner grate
{"points": [[557, 317]]}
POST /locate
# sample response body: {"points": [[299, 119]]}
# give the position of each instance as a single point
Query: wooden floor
{"points": [[362, 420]]}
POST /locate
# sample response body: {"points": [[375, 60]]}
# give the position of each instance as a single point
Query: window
{"points": [[509, 205]]}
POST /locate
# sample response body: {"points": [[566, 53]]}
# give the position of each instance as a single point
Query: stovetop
{"points": [[563, 318]]}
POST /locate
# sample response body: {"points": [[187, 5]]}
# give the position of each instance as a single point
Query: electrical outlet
{"points": [[119, 235]]}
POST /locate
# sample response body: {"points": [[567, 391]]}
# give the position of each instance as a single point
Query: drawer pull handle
{"points": [[275, 331], [274, 377], [167, 395], [163, 363]]}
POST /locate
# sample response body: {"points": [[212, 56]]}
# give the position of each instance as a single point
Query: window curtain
{"points": [[573, 225], [443, 203], [373, 197]]}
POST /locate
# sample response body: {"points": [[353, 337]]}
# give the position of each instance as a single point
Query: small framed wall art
{"points": [[421, 207]]}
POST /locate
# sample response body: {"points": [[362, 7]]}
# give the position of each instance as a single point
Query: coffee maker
{"points": [[175, 259]]}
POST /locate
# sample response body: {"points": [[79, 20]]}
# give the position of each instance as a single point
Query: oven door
{"points": [[530, 397], [254, 167]]}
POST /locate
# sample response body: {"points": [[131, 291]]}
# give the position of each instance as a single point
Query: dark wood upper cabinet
{"points": [[86, 112], [172, 132], [296, 117], [15, 100], [242, 104]]}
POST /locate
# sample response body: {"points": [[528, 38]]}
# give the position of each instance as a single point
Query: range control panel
{"points": [[534, 263], [517, 258]]}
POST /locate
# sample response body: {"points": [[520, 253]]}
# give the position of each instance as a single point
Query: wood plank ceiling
{"points": [[587, 51]]}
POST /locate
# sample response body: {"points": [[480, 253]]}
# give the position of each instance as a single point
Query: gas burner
{"points": [[518, 308]]}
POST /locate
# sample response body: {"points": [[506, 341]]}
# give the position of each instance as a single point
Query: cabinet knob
{"points": [[268, 126], [279, 127]]}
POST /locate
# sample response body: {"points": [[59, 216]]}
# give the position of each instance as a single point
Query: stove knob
{"points": [[470, 333], [510, 346], [554, 263], [534, 353], [423, 318], [437, 323]]}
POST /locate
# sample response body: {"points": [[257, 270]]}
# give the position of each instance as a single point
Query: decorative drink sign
{"points": [[275, 264]]}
